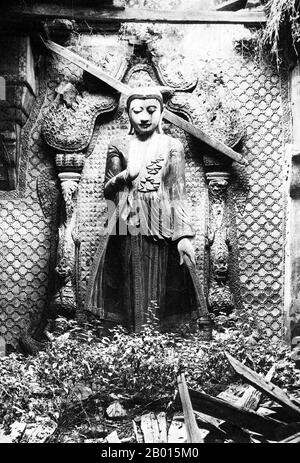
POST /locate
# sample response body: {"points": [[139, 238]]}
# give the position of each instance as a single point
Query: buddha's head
{"points": [[145, 107]]}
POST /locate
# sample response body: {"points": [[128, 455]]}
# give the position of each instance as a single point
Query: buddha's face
{"points": [[145, 115]]}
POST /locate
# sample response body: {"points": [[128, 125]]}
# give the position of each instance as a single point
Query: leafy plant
{"points": [[282, 24], [279, 40], [81, 367]]}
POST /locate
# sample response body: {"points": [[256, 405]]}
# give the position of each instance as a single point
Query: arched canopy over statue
{"points": [[149, 229]]}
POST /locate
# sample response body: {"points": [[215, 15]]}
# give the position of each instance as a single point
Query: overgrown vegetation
{"points": [[137, 368], [282, 30], [279, 40]]}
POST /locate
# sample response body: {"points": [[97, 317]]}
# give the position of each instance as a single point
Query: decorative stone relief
{"points": [[173, 69], [73, 113], [68, 128], [69, 123], [211, 107], [220, 298]]}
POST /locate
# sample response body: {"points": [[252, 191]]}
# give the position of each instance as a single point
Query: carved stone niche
{"points": [[17, 95], [68, 129]]}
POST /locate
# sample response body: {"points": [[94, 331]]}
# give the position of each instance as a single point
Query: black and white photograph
{"points": [[149, 226]]}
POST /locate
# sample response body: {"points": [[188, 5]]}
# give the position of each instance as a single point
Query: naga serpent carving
{"points": [[68, 128]]}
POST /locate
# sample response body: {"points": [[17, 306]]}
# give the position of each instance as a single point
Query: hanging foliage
{"points": [[281, 34], [279, 40]]}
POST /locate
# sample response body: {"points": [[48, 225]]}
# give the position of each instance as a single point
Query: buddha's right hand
{"points": [[125, 177], [132, 171]]}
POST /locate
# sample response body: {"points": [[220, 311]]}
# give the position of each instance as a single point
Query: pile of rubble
{"points": [[257, 411]]}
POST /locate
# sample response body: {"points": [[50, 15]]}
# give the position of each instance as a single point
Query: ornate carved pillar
{"points": [[65, 297], [220, 298]]}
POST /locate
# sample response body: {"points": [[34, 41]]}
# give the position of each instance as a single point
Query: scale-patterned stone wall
{"points": [[257, 198]]}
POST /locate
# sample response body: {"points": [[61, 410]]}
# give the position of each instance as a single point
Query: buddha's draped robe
{"points": [[152, 215]]}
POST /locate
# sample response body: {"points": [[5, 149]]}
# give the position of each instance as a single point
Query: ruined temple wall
{"points": [[25, 236], [256, 193], [262, 97], [257, 202], [259, 208]]}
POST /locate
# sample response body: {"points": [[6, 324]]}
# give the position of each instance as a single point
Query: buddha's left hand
{"points": [[185, 247]]}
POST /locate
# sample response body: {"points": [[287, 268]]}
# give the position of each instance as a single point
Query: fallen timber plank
{"points": [[122, 88], [48, 11], [250, 420], [87, 66], [251, 397], [198, 133], [149, 428], [193, 432], [231, 5], [162, 426], [137, 433], [154, 428], [210, 421], [294, 439], [268, 388], [177, 433]]}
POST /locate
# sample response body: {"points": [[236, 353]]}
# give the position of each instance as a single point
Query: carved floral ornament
{"points": [[69, 123]]}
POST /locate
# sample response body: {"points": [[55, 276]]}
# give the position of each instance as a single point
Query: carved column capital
{"points": [[69, 187], [217, 185]]}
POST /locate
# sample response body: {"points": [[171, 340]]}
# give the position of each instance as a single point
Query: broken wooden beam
{"points": [[245, 419], [162, 426], [231, 5], [204, 137], [177, 433], [251, 397], [154, 428], [91, 68], [86, 65], [41, 12], [211, 423], [294, 439], [268, 388], [137, 432], [193, 432]]}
